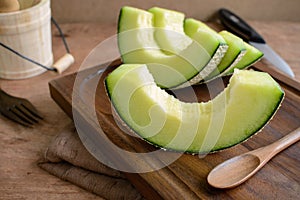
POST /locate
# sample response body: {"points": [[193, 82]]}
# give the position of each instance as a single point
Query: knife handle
{"points": [[238, 26]]}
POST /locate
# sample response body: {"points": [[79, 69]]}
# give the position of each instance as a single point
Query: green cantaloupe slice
{"points": [[250, 58], [236, 51], [169, 34], [243, 108], [216, 48], [186, 50], [175, 33], [137, 45]]}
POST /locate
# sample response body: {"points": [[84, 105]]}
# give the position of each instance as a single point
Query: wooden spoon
{"points": [[9, 5], [237, 170]]}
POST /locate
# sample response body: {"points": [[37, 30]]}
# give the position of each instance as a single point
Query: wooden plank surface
{"points": [[21, 147], [186, 177]]}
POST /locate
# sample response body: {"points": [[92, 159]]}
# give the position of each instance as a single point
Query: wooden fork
{"points": [[18, 109]]}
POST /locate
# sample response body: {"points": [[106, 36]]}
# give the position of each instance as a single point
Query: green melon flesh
{"points": [[236, 51], [169, 34], [216, 48], [194, 28], [243, 108], [137, 45], [252, 55], [174, 34]]}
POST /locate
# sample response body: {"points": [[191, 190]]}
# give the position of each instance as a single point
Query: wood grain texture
{"points": [[28, 32], [186, 177], [237, 170], [21, 147]]}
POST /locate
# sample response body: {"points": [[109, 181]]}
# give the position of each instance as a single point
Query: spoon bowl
{"points": [[217, 180], [237, 170]]}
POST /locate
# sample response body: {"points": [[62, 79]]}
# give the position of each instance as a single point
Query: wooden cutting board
{"points": [[186, 177]]}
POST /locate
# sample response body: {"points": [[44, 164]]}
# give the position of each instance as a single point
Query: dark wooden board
{"points": [[186, 177]]}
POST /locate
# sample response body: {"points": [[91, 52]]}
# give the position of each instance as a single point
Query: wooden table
{"points": [[21, 147]]}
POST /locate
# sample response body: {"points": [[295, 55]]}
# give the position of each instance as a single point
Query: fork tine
{"points": [[15, 118], [28, 114], [21, 116], [18, 109], [30, 108]]}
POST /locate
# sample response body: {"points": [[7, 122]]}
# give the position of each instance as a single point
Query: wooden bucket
{"points": [[27, 31]]}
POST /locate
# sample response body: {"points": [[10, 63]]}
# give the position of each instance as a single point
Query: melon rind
{"points": [[235, 53], [187, 56], [137, 45], [252, 56], [251, 99], [195, 29], [211, 65]]}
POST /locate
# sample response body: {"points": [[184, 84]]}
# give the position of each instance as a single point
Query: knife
{"points": [[239, 27]]}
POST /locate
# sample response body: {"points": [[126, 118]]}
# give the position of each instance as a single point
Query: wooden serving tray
{"points": [[186, 177]]}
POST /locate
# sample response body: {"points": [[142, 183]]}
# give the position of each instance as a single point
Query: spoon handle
{"points": [[286, 141], [267, 152]]}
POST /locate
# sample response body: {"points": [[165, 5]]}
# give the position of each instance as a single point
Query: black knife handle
{"points": [[238, 26]]}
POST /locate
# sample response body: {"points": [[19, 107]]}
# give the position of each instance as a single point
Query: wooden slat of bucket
{"points": [[29, 33]]}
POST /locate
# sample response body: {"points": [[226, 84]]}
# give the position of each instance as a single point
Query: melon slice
{"points": [[169, 33], [137, 45], [174, 33], [185, 50], [216, 48], [250, 58], [236, 51], [242, 109]]}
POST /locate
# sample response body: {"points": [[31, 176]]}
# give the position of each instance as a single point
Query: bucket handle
{"points": [[61, 64]]}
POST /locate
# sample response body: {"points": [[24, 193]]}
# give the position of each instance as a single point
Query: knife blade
{"points": [[238, 26]]}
